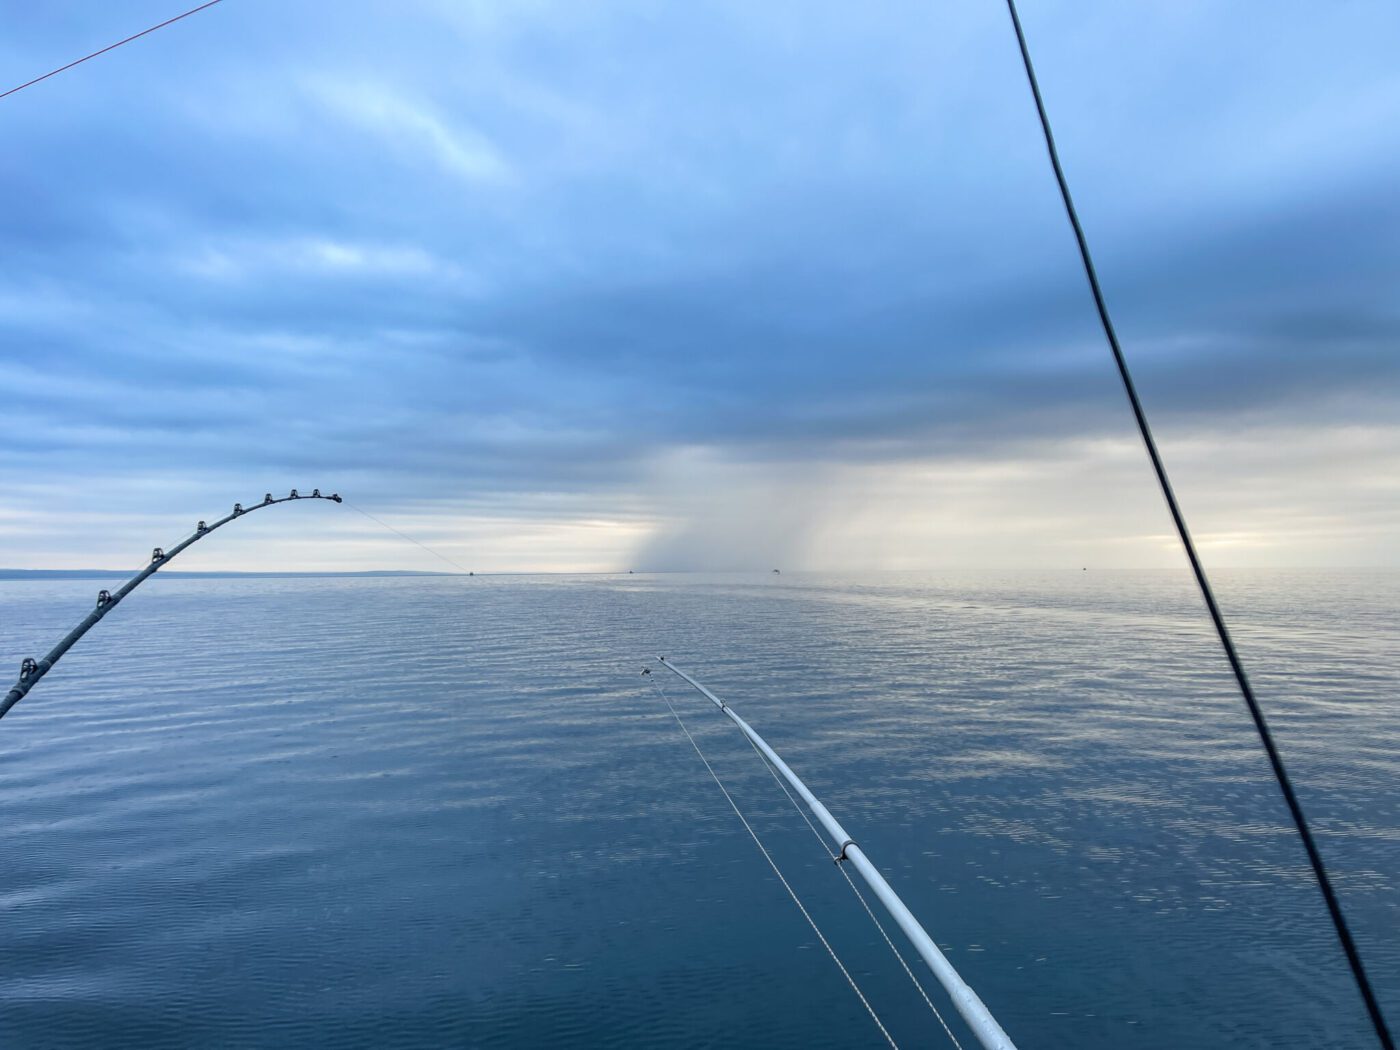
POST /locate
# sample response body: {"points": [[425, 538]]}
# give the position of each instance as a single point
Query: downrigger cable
{"points": [[1295, 808]]}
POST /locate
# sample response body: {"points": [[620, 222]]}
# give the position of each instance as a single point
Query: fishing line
{"points": [[406, 536], [802, 812], [776, 870], [109, 47], [1295, 808]]}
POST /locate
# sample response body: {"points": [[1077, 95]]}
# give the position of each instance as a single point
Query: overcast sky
{"points": [[596, 286]]}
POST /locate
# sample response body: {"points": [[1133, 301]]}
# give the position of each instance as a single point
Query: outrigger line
{"points": [[31, 671], [1256, 712], [989, 1033]]}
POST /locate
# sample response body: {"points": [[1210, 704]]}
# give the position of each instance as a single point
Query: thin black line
{"points": [[1300, 821], [109, 47]]}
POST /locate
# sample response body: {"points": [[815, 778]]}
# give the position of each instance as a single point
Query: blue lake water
{"points": [[450, 812]]}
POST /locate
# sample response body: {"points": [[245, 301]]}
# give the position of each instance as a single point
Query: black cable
{"points": [[109, 47], [1300, 821]]}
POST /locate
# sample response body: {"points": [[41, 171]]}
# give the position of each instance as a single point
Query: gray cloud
{"points": [[513, 264]]}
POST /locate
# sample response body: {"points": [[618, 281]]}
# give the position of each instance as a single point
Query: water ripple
{"points": [[442, 812]]}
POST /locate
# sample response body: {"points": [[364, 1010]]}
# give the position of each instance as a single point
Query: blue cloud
{"points": [[478, 258]]}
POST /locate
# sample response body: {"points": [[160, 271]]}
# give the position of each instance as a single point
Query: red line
{"points": [[109, 47]]}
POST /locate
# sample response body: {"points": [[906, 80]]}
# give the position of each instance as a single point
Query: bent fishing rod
{"points": [[989, 1033], [32, 670]]}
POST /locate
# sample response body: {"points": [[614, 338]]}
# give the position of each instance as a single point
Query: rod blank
{"points": [[972, 1009], [31, 670]]}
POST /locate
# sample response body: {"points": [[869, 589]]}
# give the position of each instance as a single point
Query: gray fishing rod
{"points": [[986, 1028], [31, 670]]}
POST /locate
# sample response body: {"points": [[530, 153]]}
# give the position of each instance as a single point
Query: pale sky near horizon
{"points": [[724, 285]]}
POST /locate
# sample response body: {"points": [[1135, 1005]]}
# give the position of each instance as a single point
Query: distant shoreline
{"points": [[10, 575], [122, 574]]}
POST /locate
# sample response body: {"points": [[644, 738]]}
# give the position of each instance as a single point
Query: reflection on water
{"points": [[444, 812]]}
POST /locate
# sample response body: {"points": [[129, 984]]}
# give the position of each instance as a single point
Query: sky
{"points": [[578, 287]]}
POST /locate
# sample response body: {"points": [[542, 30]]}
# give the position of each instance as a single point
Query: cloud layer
{"points": [[579, 286]]}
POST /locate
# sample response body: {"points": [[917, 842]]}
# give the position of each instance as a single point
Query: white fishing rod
{"points": [[972, 1009]]}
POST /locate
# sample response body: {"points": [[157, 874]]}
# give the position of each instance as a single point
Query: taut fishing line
{"points": [[1285, 783]]}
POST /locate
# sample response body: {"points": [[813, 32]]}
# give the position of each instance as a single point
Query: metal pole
{"points": [[31, 671], [972, 1009]]}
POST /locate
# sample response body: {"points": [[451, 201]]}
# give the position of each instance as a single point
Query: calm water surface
{"points": [[449, 812]]}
